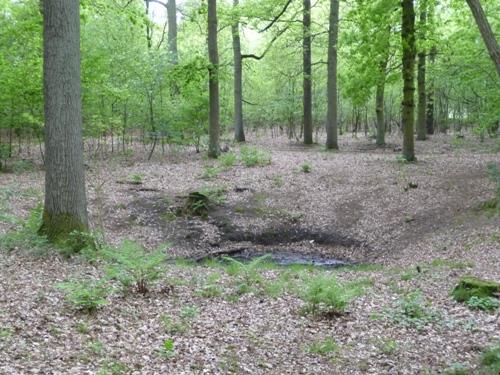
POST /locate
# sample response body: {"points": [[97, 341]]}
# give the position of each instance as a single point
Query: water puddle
{"points": [[284, 259]]}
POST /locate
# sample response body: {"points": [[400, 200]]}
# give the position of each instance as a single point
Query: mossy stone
{"points": [[470, 286]]}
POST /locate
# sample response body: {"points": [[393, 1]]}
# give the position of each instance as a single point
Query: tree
{"points": [[65, 202], [213, 84], [409, 52], [172, 31], [171, 8], [238, 58], [331, 117], [307, 74], [430, 96], [149, 28], [380, 90], [239, 134], [486, 32], [422, 96], [372, 59]]}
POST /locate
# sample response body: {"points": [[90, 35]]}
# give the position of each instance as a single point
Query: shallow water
{"points": [[289, 258]]}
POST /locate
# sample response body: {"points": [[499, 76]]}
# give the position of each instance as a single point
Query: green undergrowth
{"points": [[28, 236], [253, 157], [324, 347], [413, 310], [131, 268], [175, 325], [451, 264], [324, 294], [321, 290], [248, 157], [25, 236], [489, 364], [492, 206], [127, 268], [478, 294], [86, 294], [490, 360]]}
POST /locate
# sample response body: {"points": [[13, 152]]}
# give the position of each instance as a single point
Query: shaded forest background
{"points": [[136, 87]]}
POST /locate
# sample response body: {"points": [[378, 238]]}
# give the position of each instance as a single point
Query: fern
{"points": [[132, 266]]}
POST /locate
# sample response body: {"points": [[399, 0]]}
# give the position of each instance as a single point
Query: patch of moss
{"points": [[58, 227], [470, 286]]}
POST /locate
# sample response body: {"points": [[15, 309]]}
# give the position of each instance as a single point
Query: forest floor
{"points": [[411, 229]]}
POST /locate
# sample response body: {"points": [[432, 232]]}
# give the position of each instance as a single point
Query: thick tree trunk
{"points": [[407, 113], [332, 109], [65, 202], [486, 32], [422, 97], [213, 85], [239, 134], [307, 99]]}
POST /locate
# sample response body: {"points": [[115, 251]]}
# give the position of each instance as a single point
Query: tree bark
{"points": [[332, 110], [65, 201], [430, 97], [213, 85], [239, 134], [379, 109], [307, 74], [486, 32], [380, 92], [422, 97], [172, 31], [149, 30], [409, 52]]}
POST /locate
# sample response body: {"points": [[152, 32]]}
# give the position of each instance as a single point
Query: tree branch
{"points": [[273, 21], [255, 57]]}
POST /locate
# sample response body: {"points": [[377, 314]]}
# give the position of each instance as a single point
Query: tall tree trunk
{"points": [[239, 134], [409, 52], [124, 130], [379, 109], [172, 31], [213, 85], [11, 132], [65, 202], [332, 110], [486, 32], [172, 39], [149, 30], [380, 91], [307, 99], [422, 97], [430, 97]]}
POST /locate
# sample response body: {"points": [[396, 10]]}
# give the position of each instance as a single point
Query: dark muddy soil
{"points": [[284, 237]]}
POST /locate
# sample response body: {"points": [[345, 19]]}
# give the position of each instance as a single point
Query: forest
{"points": [[249, 187]]}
